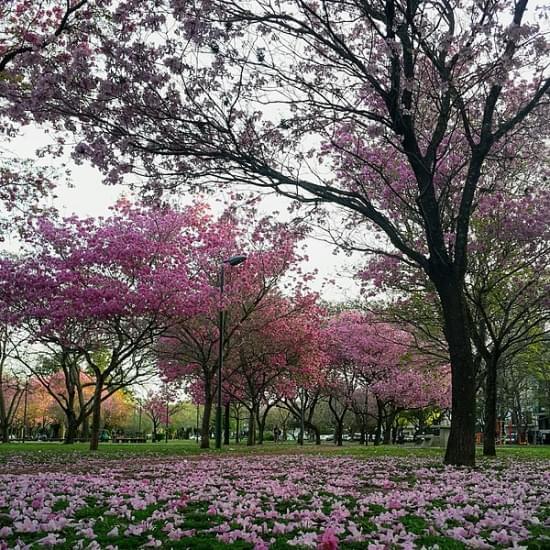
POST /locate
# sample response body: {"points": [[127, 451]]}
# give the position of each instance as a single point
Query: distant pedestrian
{"points": [[276, 433]]}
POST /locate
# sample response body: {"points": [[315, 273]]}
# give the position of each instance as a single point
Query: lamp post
{"points": [[233, 261], [167, 414], [25, 409]]}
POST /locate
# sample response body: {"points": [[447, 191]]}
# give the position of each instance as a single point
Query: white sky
{"points": [[89, 197]]}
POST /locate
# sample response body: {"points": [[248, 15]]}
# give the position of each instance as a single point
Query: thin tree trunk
{"points": [[490, 425], [379, 419], [251, 439], [205, 426], [226, 423], [96, 416]]}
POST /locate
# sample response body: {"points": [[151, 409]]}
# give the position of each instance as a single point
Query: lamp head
{"points": [[235, 260]]}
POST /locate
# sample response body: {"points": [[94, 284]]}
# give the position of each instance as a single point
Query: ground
{"points": [[130, 496]]}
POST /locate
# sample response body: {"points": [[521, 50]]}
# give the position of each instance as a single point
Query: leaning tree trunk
{"points": [[461, 445], [96, 416], [490, 421]]}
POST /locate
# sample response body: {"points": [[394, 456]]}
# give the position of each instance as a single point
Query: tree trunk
{"points": [[5, 433], [72, 427], [226, 423], [96, 416], [205, 426], [461, 446], [251, 439], [490, 425], [379, 419], [238, 427], [338, 436], [316, 431], [261, 430], [387, 433]]}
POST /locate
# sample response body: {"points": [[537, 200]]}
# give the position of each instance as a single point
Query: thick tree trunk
{"points": [[205, 426], [338, 436], [261, 432], [72, 427], [226, 423], [461, 445], [85, 430], [386, 440], [5, 433], [96, 416], [490, 424]]}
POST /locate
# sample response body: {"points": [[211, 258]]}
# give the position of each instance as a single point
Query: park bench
{"points": [[124, 439]]}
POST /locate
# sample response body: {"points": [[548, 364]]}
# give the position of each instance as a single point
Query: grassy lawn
{"points": [[183, 448]]}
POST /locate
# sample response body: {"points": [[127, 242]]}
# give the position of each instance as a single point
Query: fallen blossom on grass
{"points": [[283, 501]]}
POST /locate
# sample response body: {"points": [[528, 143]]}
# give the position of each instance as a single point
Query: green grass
{"points": [[186, 448]]}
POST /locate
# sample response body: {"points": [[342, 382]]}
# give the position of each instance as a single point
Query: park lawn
{"points": [[280, 496], [190, 447]]}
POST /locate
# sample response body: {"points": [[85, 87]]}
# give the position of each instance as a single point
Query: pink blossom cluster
{"points": [[307, 501]]}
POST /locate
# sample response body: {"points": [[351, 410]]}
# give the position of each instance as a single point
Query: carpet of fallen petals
{"points": [[280, 501]]}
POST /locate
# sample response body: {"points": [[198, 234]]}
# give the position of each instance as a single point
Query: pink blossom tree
{"points": [[377, 359], [27, 29], [11, 386], [189, 351], [159, 406], [506, 288], [108, 288], [279, 344]]}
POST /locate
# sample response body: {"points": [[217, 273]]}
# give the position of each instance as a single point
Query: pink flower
{"points": [[329, 540]]}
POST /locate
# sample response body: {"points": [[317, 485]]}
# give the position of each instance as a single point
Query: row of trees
{"points": [[96, 306]]}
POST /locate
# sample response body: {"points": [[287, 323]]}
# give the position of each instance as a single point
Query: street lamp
{"points": [[233, 261]]}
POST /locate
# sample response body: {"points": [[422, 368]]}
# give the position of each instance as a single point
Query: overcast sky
{"points": [[89, 197]]}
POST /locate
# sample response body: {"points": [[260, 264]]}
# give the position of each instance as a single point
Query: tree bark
{"points": [[205, 426], [388, 425], [338, 436], [5, 433], [379, 419], [490, 424], [72, 427], [461, 446], [251, 439], [316, 431], [96, 416], [226, 423]]}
